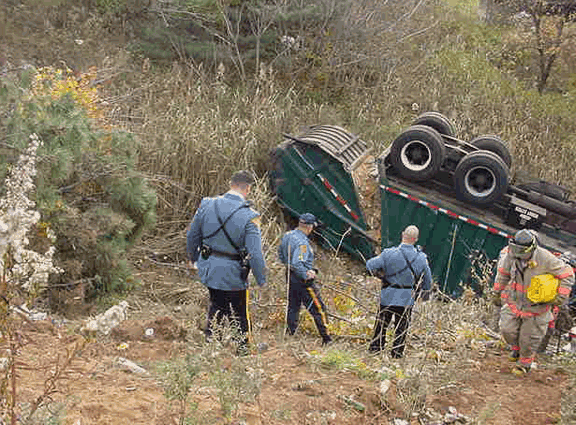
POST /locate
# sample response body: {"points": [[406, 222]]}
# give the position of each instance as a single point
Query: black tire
{"points": [[417, 153], [492, 143], [437, 121], [481, 177]]}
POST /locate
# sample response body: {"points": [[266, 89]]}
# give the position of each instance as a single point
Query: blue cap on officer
{"points": [[308, 218]]}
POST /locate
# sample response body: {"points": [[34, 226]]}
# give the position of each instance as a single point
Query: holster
{"points": [[205, 251], [243, 258], [244, 264]]}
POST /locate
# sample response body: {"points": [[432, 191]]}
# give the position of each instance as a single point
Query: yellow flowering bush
{"points": [[52, 84]]}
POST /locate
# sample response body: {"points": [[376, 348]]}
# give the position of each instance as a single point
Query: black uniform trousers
{"points": [[305, 293], [401, 317], [230, 304]]}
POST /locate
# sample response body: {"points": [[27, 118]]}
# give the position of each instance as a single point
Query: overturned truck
{"points": [[460, 194]]}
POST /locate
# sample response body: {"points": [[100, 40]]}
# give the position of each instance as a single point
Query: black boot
{"points": [[326, 339]]}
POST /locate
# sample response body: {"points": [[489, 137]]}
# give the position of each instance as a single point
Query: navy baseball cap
{"points": [[308, 218]]}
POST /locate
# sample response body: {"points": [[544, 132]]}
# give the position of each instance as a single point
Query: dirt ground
{"points": [[94, 388]]}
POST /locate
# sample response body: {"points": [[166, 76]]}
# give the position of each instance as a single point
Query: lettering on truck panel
{"points": [[526, 214]]}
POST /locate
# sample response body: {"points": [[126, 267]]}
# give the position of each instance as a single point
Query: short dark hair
{"points": [[242, 178]]}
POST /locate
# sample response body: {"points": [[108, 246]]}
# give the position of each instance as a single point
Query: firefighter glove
{"points": [[557, 301], [496, 299]]}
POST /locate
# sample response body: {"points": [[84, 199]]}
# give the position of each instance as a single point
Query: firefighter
{"points": [[224, 239], [523, 321], [296, 253]]}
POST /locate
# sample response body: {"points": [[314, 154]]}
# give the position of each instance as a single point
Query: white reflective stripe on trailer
{"points": [[341, 200], [447, 212]]}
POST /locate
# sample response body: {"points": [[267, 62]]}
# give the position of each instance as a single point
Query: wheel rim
{"points": [[480, 181], [416, 155]]}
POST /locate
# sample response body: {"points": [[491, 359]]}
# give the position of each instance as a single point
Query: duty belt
{"points": [[398, 286], [234, 257]]}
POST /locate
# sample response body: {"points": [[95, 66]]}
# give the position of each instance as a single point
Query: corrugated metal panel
{"points": [[345, 147]]}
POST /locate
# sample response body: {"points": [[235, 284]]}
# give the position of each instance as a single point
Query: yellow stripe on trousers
{"points": [[318, 305], [248, 316]]}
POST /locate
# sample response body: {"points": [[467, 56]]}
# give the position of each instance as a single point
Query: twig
{"points": [[335, 316], [341, 240], [356, 287], [490, 332], [50, 384]]}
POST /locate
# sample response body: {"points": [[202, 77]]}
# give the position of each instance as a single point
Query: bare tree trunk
{"points": [[547, 50]]}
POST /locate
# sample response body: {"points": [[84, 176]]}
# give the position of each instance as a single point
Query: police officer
{"points": [[523, 323], [401, 269], [224, 240], [296, 253]]}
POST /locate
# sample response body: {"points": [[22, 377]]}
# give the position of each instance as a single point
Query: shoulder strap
{"points": [[223, 223], [416, 277], [403, 268]]}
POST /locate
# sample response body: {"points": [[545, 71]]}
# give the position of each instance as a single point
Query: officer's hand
{"points": [[497, 299], [310, 274], [192, 267]]}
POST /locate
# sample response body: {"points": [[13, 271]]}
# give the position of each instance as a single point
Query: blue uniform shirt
{"points": [[295, 246], [221, 272], [391, 262]]}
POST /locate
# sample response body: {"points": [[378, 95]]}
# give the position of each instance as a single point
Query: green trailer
{"points": [[311, 172], [458, 237]]}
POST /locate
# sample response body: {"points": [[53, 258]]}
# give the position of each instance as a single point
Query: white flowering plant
{"points": [[24, 269]]}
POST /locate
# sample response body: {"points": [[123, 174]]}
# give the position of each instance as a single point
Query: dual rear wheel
{"points": [[480, 177]]}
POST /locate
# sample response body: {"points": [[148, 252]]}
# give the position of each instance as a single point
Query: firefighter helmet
{"points": [[523, 244]]}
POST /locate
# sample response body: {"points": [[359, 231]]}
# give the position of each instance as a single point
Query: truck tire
{"points": [[437, 121], [492, 143], [481, 177], [417, 153]]}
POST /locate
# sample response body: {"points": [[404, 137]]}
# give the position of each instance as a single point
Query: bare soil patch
{"points": [[96, 389]]}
